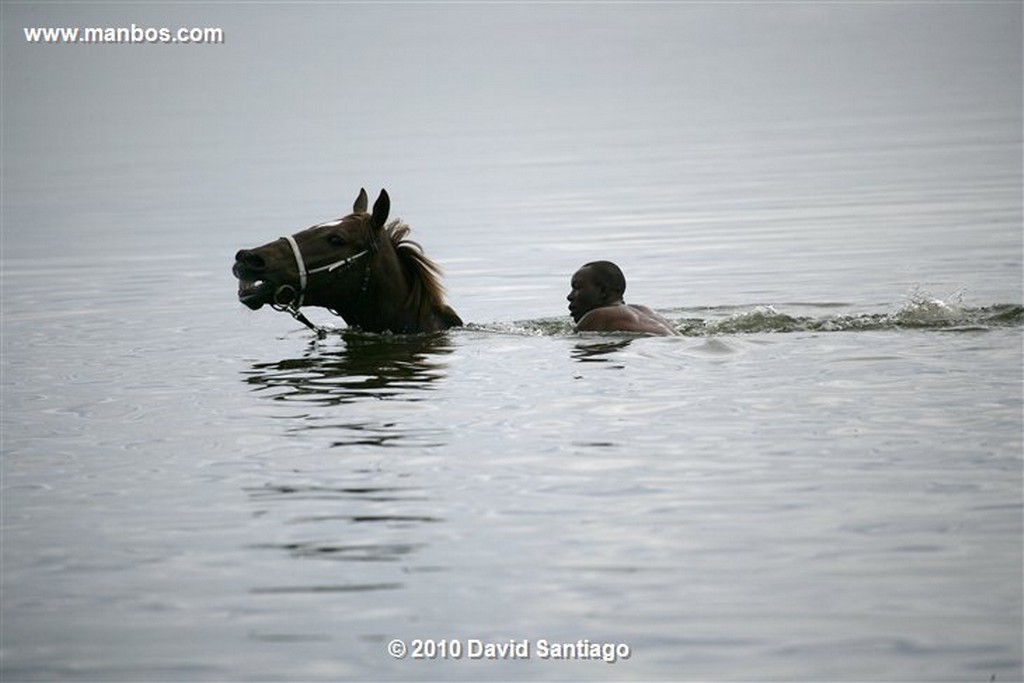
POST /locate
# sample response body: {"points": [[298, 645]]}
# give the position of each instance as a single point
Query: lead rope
{"points": [[321, 333], [291, 308], [297, 314]]}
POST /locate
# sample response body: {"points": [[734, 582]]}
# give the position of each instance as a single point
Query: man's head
{"points": [[595, 284]]}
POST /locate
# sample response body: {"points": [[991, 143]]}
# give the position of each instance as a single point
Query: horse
{"points": [[359, 267]]}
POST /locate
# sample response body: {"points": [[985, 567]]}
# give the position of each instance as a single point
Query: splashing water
{"points": [[919, 309], [922, 309]]}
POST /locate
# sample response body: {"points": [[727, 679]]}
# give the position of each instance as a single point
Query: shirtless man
{"points": [[596, 305]]}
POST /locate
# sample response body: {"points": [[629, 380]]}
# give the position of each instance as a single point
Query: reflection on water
{"points": [[350, 523], [372, 494], [369, 366], [598, 351], [356, 396]]}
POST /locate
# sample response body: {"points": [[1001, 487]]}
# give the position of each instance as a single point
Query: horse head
{"points": [[358, 266]]}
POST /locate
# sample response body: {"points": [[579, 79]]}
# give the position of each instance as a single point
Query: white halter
{"points": [[304, 274]]}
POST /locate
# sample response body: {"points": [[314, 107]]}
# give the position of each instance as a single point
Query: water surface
{"points": [[819, 480]]}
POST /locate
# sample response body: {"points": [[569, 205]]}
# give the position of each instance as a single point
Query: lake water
{"points": [[820, 480]]}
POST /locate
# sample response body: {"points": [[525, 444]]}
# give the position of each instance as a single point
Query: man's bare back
{"points": [[625, 318]]}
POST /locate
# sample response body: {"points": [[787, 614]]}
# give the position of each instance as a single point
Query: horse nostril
{"points": [[250, 259]]}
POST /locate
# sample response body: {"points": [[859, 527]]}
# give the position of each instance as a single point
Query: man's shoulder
{"points": [[641, 311], [619, 318], [624, 318]]}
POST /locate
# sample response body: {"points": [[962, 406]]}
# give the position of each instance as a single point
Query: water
{"points": [[820, 480]]}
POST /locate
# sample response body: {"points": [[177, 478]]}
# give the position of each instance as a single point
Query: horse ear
{"points": [[361, 202], [381, 208]]}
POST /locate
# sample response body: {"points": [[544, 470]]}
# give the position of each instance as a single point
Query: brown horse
{"points": [[359, 267]]}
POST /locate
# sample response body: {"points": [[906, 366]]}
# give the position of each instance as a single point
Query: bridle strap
{"points": [[304, 274], [293, 306], [297, 302]]}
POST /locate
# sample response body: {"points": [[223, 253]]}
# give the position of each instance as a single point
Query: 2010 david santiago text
{"points": [[473, 648]]}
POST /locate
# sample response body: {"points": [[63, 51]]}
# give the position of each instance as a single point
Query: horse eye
{"points": [[336, 240]]}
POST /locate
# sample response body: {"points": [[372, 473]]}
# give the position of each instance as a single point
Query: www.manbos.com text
{"points": [[124, 35]]}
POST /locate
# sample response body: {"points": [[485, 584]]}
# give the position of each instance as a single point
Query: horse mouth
{"points": [[253, 290], [255, 293]]}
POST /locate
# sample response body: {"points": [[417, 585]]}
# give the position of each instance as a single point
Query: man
{"points": [[596, 305]]}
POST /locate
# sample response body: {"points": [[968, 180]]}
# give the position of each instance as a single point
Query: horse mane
{"points": [[426, 293]]}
